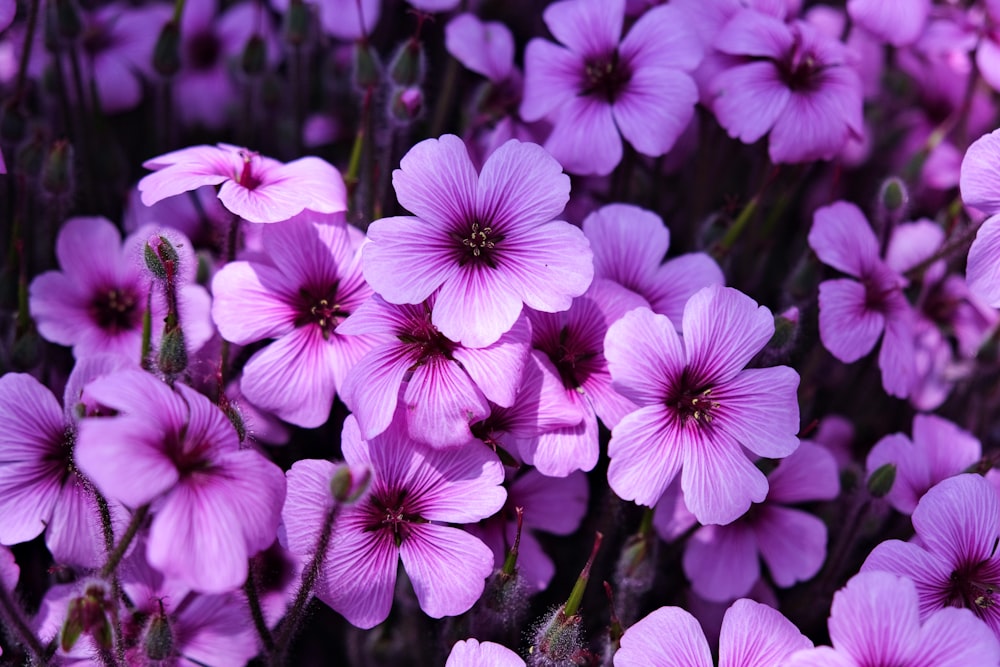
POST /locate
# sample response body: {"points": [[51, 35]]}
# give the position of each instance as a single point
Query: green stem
{"points": [[259, 622], [444, 104], [29, 41], [576, 595], [130, 532], [12, 615]]}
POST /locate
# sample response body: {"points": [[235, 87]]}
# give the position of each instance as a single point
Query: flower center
{"points": [[605, 77], [425, 340], [320, 307], [114, 310], [572, 358], [693, 405], [247, 178], [389, 511], [800, 67], [975, 587]]}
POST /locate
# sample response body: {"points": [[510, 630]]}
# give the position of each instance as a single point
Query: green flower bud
{"points": [[880, 482]]}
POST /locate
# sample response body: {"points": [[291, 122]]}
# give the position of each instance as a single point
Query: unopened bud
{"points": [[57, 170], [172, 359], [367, 66], [297, 20], [880, 482], [159, 640], [161, 258], [407, 65], [234, 416], [406, 104], [893, 197], [348, 485], [167, 51], [88, 614], [254, 56]]}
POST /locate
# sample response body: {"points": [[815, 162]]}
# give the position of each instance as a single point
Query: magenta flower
{"points": [[486, 244], [596, 87], [980, 185], [874, 622], [553, 505], [723, 562], [254, 187], [854, 313], [573, 348], [955, 563], [939, 450], [698, 408], [96, 302], [296, 291], [753, 635], [445, 384], [897, 22], [213, 503], [485, 47], [473, 653], [414, 491], [788, 79], [629, 246]]}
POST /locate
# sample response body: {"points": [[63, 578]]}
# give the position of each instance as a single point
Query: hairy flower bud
{"points": [[881, 481], [347, 486], [88, 614], [159, 640], [408, 64], [172, 359], [406, 104], [367, 66]]}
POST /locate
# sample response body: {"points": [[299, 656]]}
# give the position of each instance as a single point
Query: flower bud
{"points": [[254, 56], [367, 66], [161, 258], [893, 198], [167, 51], [406, 104], [407, 65], [172, 359], [88, 614], [159, 640], [880, 482], [57, 170], [348, 485]]}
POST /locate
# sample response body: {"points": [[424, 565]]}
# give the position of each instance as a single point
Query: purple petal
{"points": [[808, 473], [956, 638], [759, 409], [588, 27], [486, 48], [980, 180], [320, 179], [753, 33], [748, 99], [655, 108], [555, 505], [645, 356], [912, 243], [472, 653], [661, 39], [959, 519], [930, 574], [306, 506], [755, 635], [707, 463], [447, 567], [894, 21], [815, 125], [497, 369], [896, 358], [677, 280], [983, 268], [441, 404], [585, 138], [723, 330], [646, 451], [520, 186], [251, 303], [437, 182], [371, 389], [848, 328], [477, 306], [408, 258], [74, 535], [722, 561], [842, 238], [559, 452], [628, 243], [548, 266], [874, 619], [187, 169], [668, 637], [551, 78], [791, 542]]}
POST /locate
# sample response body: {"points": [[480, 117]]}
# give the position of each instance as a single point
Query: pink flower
{"points": [[939, 449], [980, 185], [445, 385], [486, 243], [254, 187], [874, 622], [955, 562], [296, 292], [854, 313], [415, 490], [213, 504], [596, 87], [698, 408], [753, 635], [96, 302], [788, 79]]}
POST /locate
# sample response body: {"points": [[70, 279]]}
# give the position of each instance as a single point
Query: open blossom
{"points": [[955, 562], [446, 386], [698, 407], [296, 292], [854, 313], [980, 185], [939, 449], [788, 79], [213, 503], [753, 635], [485, 243], [898, 22], [96, 302], [596, 87], [874, 622], [254, 187], [473, 653], [415, 491]]}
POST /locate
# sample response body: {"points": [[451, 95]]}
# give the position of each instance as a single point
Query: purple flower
{"points": [[788, 79], [96, 302], [445, 385], [343, 19], [698, 408], [414, 491], [854, 313], [296, 291], [551, 504], [596, 87], [629, 246], [473, 653], [486, 48], [897, 22], [723, 562], [980, 185], [874, 623], [254, 187], [939, 449], [486, 244], [753, 635], [955, 563], [213, 503]]}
